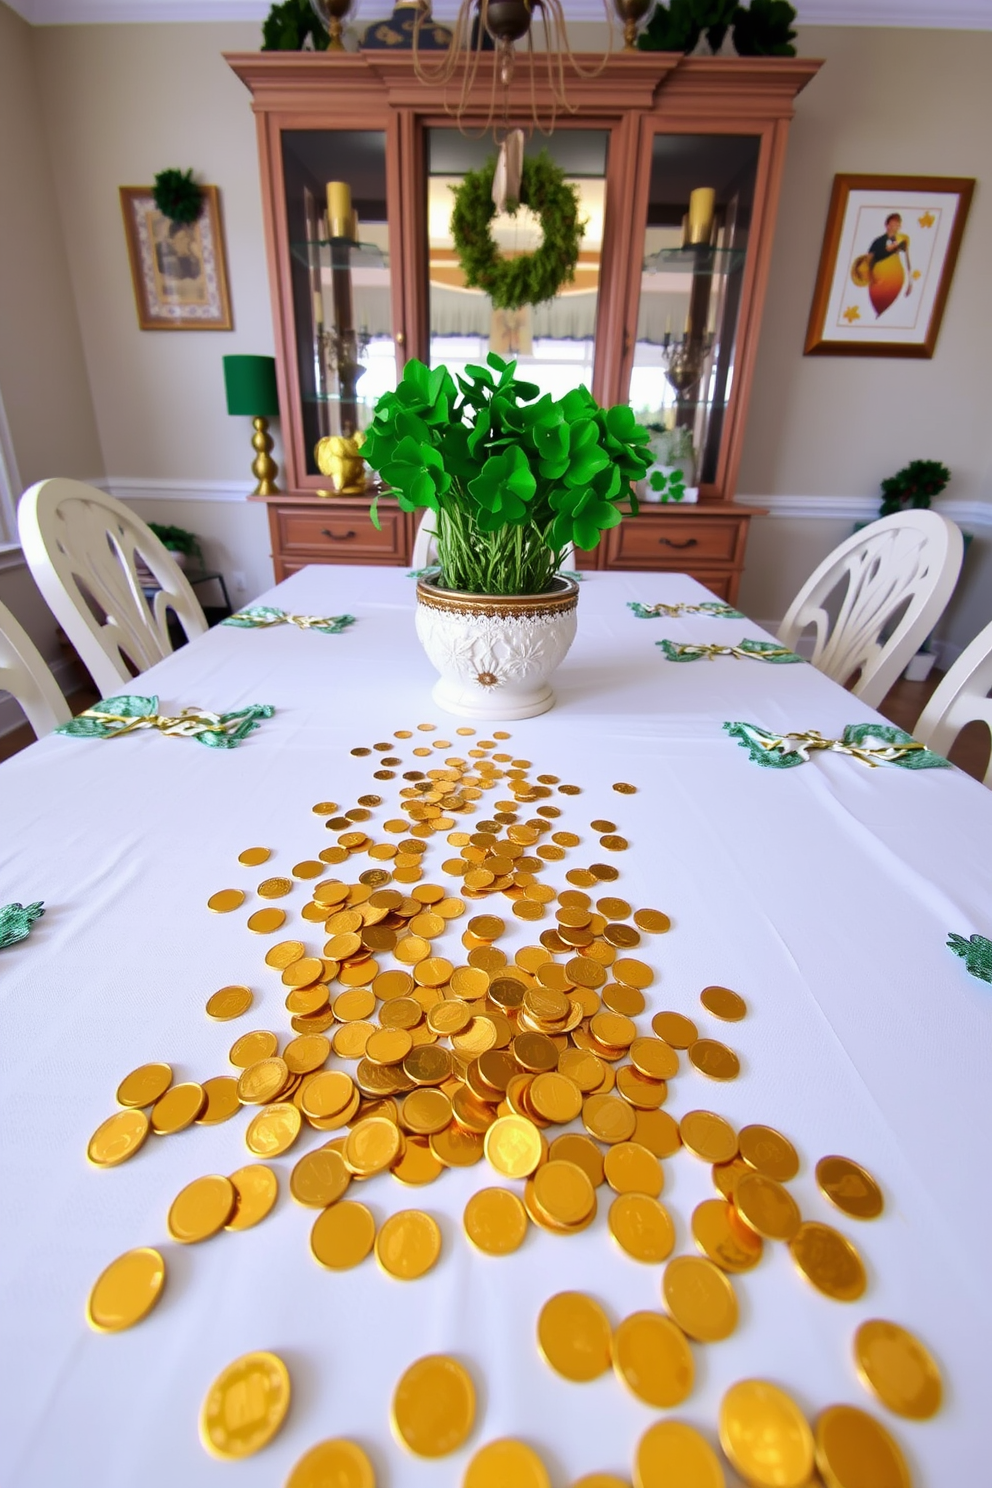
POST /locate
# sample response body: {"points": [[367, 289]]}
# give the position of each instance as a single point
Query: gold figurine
{"points": [[339, 457]]}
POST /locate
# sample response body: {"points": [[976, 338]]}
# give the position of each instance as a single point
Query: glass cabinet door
{"points": [[340, 267], [554, 343], [700, 201]]}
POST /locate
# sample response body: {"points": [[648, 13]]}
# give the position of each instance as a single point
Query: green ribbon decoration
{"points": [[893, 746], [753, 650], [263, 616], [976, 954], [17, 921], [710, 607], [126, 714]]}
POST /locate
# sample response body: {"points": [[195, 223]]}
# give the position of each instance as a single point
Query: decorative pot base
{"points": [[496, 653], [470, 704]]}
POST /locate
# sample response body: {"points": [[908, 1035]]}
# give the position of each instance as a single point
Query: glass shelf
{"points": [[339, 253], [698, 258]]}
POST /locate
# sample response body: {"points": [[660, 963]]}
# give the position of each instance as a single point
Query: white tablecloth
{"points": [[824, 894]]}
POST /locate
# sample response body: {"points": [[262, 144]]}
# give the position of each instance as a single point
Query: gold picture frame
{"points": [[178, 270], [888, 257]]}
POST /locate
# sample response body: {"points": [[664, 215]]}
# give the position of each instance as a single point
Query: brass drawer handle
{"points": [[669, 542], [336, 536]]}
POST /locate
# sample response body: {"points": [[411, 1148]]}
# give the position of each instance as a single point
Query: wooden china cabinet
{"points": [[670, 327]]}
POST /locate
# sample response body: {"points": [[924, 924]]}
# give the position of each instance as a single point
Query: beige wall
{"points": [[120, 102]]}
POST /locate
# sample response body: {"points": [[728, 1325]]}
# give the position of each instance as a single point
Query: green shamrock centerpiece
{"points": [[512, 477]]}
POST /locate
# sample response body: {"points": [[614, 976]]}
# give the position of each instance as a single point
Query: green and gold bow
{"points": [[710, 607], [871, 743], [976, 954], [748, 650], [263, 617], [16, 921], [130, 712]]}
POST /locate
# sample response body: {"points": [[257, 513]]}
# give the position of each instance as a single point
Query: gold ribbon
{"points": [[187, 724], [809, 739]]}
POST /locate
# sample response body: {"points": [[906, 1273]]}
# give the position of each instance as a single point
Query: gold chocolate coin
{"points": [[768, 1152], [850, 1187], [118, 1138], [631, 1168], [319, 1178], [504, 1462], [573, 1147], [658, 1132], [642, 1227], [708, 1136], [261, 1082], [495, 1221], [225, 900], [201, 1209], [896, 1367], [274, 888], [513, 1146], [371, 1146], [144, 1086], [563, 1191], [266, 921], [713, 1059], [126, 1291], [416, 1164], [828, 1260], [723, 1003], [252, 857], [178, 1108], [284, 953], [274, 1130], [633, 973], [342, 1235], [408, 1244], [336, 1463], [608, 1118], [700, 1297], [222, 1100], [245, 1406], [676, 1030], [575, 1337], [256, 1189], [722, 1236], [433, 1408], [853, 1448], [652, 1357], [766, 1436], [652, 920], [672, 1454], [229, 1002], [766, 1207]]}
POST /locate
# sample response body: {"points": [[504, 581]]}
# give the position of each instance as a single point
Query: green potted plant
{"points": [[181, 544], [670, 478], [915, 486], [511, 480]]}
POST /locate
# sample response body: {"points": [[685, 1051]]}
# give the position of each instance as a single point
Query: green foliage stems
{"points": [[288, 25], [915, 485], [512, 477], [764, 29], [533, 277], [178, 539], [177, 195]]}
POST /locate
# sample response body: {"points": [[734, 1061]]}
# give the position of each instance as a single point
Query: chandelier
{"points": [[496, 26]]}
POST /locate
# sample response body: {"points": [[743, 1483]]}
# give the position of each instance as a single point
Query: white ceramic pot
{"points": [[496, 652]]}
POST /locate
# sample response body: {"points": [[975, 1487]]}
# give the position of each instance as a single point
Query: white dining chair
{"points": [[874, 600], [425, 545], [962, 698], [81, 545], [24, 674]]}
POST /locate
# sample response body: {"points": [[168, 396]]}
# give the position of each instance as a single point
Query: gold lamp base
{"points": [[263, 467]]}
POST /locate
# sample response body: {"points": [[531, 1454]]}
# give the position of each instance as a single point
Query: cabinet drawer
{"points": [[674, 542], [341, 534]]}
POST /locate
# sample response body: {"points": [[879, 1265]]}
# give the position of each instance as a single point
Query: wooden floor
{"points": [[902, 706]]}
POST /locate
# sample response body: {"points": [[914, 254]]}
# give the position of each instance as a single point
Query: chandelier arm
{"points": [[445, 68], [567, 49]]}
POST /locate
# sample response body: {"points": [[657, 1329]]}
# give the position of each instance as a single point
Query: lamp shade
{"points": [[250, 382]]}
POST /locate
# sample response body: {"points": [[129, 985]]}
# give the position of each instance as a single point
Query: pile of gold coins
{"points": [[439, 1063]]}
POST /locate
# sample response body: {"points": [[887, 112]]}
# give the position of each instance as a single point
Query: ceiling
{"points": [[945, 15]]}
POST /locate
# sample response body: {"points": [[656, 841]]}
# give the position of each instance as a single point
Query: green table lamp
{"points": [[250, 382]]}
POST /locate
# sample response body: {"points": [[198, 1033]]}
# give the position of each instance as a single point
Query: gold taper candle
{"points": [[339, 209], [701, 203]]}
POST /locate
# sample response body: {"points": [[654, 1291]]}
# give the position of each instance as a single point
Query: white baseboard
{"points": [[66, 674]]}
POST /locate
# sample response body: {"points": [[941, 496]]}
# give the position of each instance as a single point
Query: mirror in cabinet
{"points": [[342, 290], [554, 344], [699, 211]]}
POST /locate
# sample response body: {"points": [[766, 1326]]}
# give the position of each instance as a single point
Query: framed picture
{"points": [[886, 265], [177, 268]]}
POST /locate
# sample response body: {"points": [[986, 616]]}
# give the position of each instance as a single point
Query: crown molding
{"points": [[950, 15]]}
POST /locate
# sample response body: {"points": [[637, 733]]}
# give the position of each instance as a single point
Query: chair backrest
{"points": [[81, 547], [425, 545], [961, 698], [876, 598], [23, 672]]}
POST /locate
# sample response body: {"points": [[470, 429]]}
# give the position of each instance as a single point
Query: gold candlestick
{"points": [[263, 467]]}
